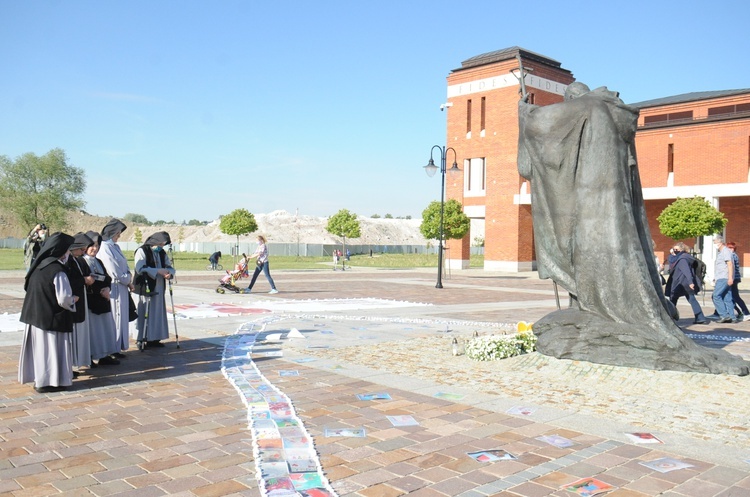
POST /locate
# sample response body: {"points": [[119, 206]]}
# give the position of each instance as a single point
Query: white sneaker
{"points": [[273, 290], [746, 318]]}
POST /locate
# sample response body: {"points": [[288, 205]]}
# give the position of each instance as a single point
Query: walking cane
{"points": [[174, 317], [148, 294]]}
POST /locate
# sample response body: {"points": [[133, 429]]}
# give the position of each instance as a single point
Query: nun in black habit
{"points": [[103, 334], [153, 268], [46, 352], [80, 277]]}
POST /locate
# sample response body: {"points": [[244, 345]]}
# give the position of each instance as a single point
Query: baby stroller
{"points": [[228, 281]]}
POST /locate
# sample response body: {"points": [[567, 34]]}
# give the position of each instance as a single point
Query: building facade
{"points": [[693, 144]]}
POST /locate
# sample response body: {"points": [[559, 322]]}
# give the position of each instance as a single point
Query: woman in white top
{"points": [[261, 254]]}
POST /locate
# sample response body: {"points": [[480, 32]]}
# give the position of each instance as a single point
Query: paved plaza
{"points": [[168, 422]]}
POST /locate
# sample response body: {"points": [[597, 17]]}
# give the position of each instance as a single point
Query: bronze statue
{"points": [[592, 238]]}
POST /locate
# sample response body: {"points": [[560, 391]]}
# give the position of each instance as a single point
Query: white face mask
{"points": [[64, 258]]}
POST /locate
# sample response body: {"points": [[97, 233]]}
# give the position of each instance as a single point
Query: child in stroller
{"points": [[228, 281]]}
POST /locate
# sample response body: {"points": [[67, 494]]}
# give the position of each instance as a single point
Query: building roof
{"points": [[689, 97], [506, 54]]}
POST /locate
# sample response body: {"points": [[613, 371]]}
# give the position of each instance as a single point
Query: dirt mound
{"points": [[277, 227]]}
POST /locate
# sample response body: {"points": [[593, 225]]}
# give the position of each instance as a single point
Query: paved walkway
{"points": [[167, 422]]}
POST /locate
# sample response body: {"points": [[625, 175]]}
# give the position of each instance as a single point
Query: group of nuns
{"points": [[77, 304]]}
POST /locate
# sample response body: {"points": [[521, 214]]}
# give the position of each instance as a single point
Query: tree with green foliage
{"points": [[138, 235], [238, 222], [136, 218], [690, 218], [344, 223], [44, 189], [455, 223]]}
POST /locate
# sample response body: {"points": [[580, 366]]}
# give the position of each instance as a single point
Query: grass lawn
{"points": [[193, 261]]}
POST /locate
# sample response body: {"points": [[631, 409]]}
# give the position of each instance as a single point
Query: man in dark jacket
{"points": [[683, 281]]}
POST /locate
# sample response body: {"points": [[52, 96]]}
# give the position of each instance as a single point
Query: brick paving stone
{"points": [[148, 479], [530, 489], [453, 486], [381, 490], [723, 476], [436, 474], [699, 488], [77, 482], [733, 492], [650, 485], [408, 484]]}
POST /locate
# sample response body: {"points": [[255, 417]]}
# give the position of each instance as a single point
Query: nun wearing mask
{"points": [[117, 268], [153, 268], [79, 275], [102, 330], [47, 352]]}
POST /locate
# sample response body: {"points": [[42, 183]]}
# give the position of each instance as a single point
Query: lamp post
{"points": [[431, 169]]}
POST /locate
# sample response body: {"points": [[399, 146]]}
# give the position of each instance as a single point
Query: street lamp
{"points": [[431, 169]]}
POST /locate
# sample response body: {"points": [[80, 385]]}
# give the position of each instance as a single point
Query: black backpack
{"points": [[699, 268]]}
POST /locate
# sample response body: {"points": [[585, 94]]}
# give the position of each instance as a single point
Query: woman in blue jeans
{"points": [[261, 254], [739, 304]]}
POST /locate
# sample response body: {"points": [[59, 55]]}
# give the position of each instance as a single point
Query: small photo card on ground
{"points": [[345, 432], [374, 396], [403, 420], [665, 464], [521, 411], [556, 440], [449, 396], [643, 438], [587, 487], [491, 455]]}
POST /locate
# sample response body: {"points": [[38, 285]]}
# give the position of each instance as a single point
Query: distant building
{"points": [[692, 144]]}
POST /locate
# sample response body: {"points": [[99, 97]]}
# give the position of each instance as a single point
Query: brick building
{"points": [[693, 144]]}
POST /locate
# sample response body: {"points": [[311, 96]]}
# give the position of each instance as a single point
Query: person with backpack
{"points": [[683, 281]]}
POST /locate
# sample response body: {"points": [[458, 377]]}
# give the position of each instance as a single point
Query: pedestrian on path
{"points": [[739, 305], [724, 276], [261, 264], [683, 281]]}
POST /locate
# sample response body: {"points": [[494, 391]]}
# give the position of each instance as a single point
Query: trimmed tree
{"points": [[238, 222], [344, 224], [691, 218], [455, 222]]}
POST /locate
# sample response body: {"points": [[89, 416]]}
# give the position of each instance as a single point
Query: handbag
{"points": [[132, 309]]}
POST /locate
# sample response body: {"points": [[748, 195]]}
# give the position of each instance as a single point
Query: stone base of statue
{"points": [[584, 336]]}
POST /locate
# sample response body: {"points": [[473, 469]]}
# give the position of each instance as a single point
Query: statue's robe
{"points": [[592, 238]]}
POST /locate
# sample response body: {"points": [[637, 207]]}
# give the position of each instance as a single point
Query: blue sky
{"points": [[188, 110]]}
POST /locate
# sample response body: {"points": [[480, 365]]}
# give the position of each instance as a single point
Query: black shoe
{"points": [[93, 364], [725, 320], [155, 343], [700, 321], [76, 374], [119, 355], [49, 389], [108, 361]]}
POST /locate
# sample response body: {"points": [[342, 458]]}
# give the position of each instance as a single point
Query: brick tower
{"points": [[482, 128]]}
